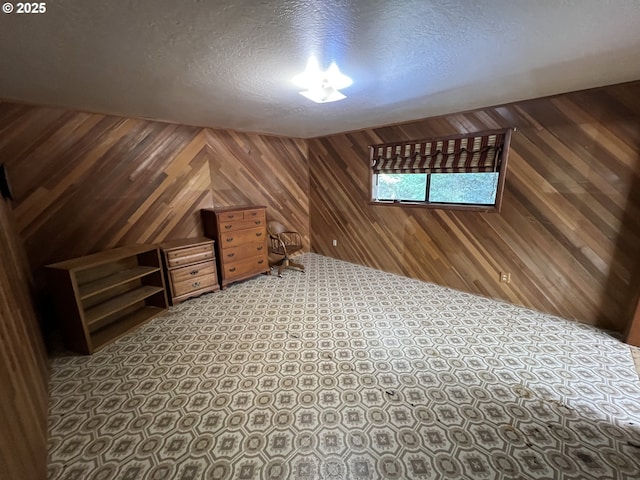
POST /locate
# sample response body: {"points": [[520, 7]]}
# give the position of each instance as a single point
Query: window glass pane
{"points": [[470, 188], [402, 186]]}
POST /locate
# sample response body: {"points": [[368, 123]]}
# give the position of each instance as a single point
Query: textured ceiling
{"points": [[229, 63]]}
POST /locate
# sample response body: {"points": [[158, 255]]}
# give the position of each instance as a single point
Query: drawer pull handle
{"points": [[259, 234], [231, 255], [232, 269], [230, 239], [193, 272], [253, 214], [260, 247], [195, 284], [260, 262], [258, 222], [228, 226]]}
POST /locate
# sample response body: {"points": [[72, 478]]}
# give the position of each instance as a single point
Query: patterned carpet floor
{"points": [[348, 373]]}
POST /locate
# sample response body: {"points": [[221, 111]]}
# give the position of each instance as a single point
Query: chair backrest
{"points": [[275, 228], [282, 241]]}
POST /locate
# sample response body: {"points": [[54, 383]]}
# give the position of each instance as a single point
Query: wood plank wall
{"points": [[23, 365], [633, 333], [569, 231], [88, 182]]}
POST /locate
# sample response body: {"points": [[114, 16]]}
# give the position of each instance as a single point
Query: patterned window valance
{"points": [[477, 152]]}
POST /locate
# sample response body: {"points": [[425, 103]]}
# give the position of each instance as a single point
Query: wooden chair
{"points": [[283, 243]]}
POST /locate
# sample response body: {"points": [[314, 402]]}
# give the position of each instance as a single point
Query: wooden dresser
{"points": [[190, 266], [241, 236]]}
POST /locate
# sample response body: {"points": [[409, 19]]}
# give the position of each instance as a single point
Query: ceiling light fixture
{"points": [[319, 86]]}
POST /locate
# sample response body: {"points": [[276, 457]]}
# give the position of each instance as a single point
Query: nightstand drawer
{"points": [[192, 271], [193, 284], [188, 255]]}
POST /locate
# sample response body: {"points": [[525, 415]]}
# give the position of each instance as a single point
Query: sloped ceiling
{"points": [[229, 63]]}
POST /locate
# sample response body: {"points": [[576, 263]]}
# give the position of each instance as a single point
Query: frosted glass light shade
{"points": [[319, 86]]}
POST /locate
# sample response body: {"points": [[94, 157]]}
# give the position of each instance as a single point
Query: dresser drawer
{"points": [[254, 213], [245, 267], [184, 256], [234, 216], [193, 284], [241, 237], [235, 225], [232, 254], [192, 271], [230, 216]]}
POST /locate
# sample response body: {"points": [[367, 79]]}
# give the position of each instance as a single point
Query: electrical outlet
{"points": [[335, 242], [505, 277]]}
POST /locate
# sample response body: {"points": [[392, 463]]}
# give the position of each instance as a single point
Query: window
{"points": [[402, 186], [465, 172]]}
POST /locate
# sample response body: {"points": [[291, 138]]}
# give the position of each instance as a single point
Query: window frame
{"points": [[502, 173]]}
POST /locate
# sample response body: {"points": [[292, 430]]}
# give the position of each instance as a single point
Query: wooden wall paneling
{"points": [[249, 169], [23, 364], [633, 333], [88, 182], [569, 229], [625, 242]]}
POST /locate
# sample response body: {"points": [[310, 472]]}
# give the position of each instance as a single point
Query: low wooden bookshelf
{"points": [[102, 296]]}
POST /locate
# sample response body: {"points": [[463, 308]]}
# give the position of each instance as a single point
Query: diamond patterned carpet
{"points": [[349, 373]]}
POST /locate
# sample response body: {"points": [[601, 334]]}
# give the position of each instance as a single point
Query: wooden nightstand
{"points": [[190, 267]]}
